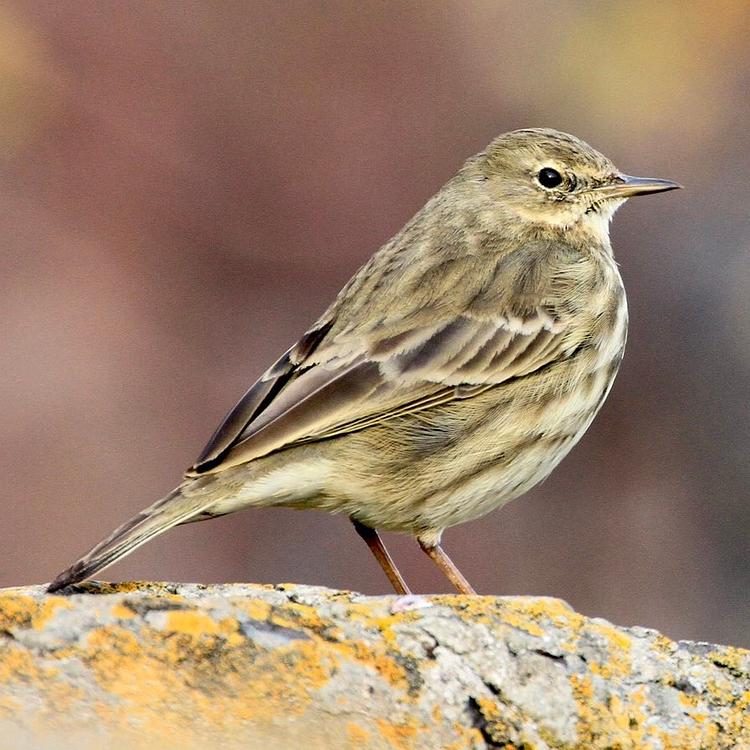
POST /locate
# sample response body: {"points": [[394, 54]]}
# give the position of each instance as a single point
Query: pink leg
{"points": [[375, 543], [436, 553]]}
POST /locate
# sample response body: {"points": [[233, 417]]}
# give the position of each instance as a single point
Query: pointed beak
{"points": [[627, 186]]}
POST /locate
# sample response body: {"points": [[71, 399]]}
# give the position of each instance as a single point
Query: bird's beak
{"points": [[627, 186]]}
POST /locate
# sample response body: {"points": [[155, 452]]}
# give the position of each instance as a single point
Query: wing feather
{"points": [[346, 384], [260, 394]]}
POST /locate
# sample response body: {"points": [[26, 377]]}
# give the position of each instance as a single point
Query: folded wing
{"points": [[328, 385]]}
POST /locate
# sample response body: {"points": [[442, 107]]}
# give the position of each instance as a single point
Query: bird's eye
{"points": [[549, 178]]}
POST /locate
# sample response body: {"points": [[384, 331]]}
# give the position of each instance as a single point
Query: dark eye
{"points": [[549, 178]]}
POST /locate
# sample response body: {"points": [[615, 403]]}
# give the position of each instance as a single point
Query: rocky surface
{"points": [[181, 665]]}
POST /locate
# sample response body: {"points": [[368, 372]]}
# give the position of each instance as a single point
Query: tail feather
{"points": [[174, 509]]}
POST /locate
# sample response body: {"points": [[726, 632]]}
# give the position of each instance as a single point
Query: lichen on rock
{"points": [[184, 665]]}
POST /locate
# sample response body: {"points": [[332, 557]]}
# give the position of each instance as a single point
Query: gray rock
{"points": [[225, 666]]}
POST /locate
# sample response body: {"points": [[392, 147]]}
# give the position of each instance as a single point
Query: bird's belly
{"points": [[494, 486], [438, 469]]}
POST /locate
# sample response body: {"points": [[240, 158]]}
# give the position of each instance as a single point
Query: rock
{"points": [[243, 666]]}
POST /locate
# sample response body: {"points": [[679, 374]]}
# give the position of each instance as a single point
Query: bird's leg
{"points": [[375, 543], [438, 555]]}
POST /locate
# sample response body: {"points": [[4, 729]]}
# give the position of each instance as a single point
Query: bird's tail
{"points": [[176, 508]]}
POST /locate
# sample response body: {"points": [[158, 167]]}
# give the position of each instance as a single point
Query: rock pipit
{"points": [[450, 375]]}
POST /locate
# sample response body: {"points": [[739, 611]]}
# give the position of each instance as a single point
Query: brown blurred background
{"points": [[185, 185]]}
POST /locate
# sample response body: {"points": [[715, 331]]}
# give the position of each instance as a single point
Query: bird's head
{"points": [[553, 179]]}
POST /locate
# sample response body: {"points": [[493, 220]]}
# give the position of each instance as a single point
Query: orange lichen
{"points": [[170, 674], [547, 608], [599, 725], [20, 668], [533, 614], [255, 609], [521, 621], [399, 735], [9, 705], [191, 622], [467, 738], [376, 658], [21, 610], [299, 616], [469, 608], [356, 734], [122, 612], [18, 665], [47, 610]]}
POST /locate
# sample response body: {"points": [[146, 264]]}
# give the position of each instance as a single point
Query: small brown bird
{"points": [[451, 374]]}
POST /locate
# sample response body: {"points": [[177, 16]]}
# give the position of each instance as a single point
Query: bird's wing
{"points": [[328, 385]]}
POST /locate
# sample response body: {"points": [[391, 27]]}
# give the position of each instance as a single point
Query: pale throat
{"points": [[597, 222], [594, 222]]}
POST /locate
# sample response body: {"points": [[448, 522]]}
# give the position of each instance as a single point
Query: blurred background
{"points": [[185, 186]]}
